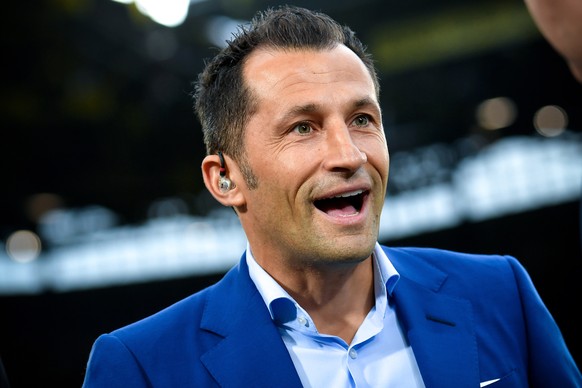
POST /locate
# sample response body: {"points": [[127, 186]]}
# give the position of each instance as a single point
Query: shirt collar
{"points": [[283, 308], [274, 296], [388, 274]]}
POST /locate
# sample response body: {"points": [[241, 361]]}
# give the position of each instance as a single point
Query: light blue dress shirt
{"points": [[378, 356]]}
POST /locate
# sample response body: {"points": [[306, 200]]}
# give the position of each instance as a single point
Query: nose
{"points": [[342, 153]]}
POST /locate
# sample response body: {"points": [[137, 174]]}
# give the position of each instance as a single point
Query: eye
{"points": [[362, 121], [303, 128]]}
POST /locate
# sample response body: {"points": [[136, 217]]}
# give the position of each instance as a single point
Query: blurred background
{"points": [[103, 215]]}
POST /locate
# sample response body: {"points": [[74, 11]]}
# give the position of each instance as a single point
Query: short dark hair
{"points": [[222, 100]]}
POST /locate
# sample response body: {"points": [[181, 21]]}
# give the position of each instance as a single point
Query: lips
{"points": [[344, 204]]}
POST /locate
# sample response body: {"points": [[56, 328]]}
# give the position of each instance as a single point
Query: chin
{"points": [[350, 250]]}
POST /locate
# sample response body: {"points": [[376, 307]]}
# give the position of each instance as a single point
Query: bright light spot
{"points": [[550, 121], [170, 13], [23, 246], [496, 113]]}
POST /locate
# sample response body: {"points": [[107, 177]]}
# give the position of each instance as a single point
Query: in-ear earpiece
{"points": [[224, 184]]}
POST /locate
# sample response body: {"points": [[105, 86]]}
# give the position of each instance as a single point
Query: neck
{"points": [[338, 299]]}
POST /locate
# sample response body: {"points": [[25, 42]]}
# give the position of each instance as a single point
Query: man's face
{"points": [[317, 148]]}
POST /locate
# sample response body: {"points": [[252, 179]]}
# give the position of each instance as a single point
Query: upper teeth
{"points": [[349, 194]]}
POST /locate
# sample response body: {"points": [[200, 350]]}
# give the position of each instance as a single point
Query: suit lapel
{"points": [[251, 352], [439, 327]]}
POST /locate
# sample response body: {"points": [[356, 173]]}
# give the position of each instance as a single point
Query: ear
{"points": [[211, 175]]}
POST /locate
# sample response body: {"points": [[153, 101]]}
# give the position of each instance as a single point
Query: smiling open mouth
{"points": [[343, 205]]}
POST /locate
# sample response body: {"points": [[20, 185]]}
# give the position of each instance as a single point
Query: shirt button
{"points": [[353, 354], [302, 321]]}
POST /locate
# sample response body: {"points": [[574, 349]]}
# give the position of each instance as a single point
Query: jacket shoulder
{"points": [[158, 347], [448, 261], [458, 273]]}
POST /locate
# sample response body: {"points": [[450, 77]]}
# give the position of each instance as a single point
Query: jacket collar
{"points": [[439, 327], [251, 351]]}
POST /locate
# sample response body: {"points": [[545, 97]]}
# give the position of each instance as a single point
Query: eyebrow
{"points": [[298, 110], [310, 108], [368, 102]]}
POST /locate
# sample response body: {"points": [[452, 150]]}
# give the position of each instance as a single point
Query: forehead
{"points": [[272, 72]]}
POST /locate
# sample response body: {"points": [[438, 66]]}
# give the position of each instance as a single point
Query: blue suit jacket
{"points": [[468, 318]]}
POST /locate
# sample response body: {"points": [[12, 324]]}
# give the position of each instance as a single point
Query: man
{"points": [[295, 144], [560, 21]]}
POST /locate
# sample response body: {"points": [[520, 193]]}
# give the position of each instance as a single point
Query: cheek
{"points": [[289, 182], [296, 165], [279, 179], [377, 152]]}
